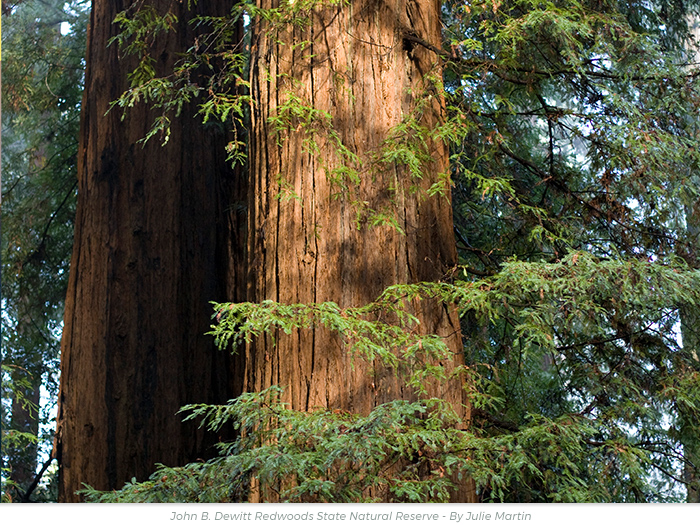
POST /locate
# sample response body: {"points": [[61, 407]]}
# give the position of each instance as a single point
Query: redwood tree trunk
{"points": [[360, 65], [155, 241]]}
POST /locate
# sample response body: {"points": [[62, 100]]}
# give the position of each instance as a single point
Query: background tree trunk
{"points": [[26, 403], [361, 66], [25, 418], [690, 332], [689, 360], [155, 240]]}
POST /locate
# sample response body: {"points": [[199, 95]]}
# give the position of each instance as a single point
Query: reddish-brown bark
{"points": [[155, 242], [358, 67], [156, 239]]}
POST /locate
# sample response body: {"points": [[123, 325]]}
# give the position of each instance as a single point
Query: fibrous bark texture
{"points": [[358, 67], [156, 239]]}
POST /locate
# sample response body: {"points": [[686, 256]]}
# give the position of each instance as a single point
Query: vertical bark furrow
{"points": [[152, 234], [362, 76]]}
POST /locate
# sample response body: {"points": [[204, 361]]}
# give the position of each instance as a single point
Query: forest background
{"points": [[572, 133]]}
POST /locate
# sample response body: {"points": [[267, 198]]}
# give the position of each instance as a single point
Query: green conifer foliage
{"points": [[42, 88]]}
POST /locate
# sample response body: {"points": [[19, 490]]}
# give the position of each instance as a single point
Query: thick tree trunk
{"points": [[360, 65], [155, 240]]}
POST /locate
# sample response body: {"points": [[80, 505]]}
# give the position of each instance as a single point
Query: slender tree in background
{"points": [[155, 241], [690, 319]]}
